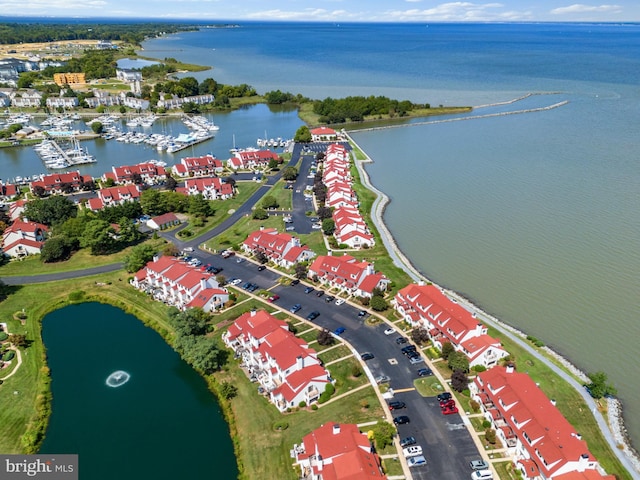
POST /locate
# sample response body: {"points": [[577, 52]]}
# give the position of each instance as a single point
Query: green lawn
{"points": [[283, 196], [334, 354]]}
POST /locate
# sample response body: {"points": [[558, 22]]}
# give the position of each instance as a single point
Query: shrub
{"points": [[356, 371], [486, 424], [281, 424], [479, 368], [490, 436], [9, 355], [314, 407], [302, 404], [3, 336], [474, 406], [326, 395], [364, 403], [76, 296], [21, 315]]}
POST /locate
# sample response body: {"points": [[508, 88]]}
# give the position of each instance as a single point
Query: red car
{"points": [[273, 298], [450, 410], [448, 403]]}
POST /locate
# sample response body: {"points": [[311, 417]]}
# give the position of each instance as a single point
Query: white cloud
{"points": [[317, 14], [579, 9], [460, 11]]}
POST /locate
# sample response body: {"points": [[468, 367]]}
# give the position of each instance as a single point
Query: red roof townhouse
{"points": [[23, 238], [280, 248], [338, 151], [323, 134], [211, 188], [108, 197], [447, 321], [8, 191], [55, 182], [337, 452], [282, 363], [250, 159], [204, 166], [150, 173], [16, 209], [541, 442], [351, 229], [183, 286], [345, 273]]}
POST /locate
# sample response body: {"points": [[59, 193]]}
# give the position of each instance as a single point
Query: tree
{"points": [[459, 381], [303, 135], [129, 233], [191, 322], [420, 335], [53, 210], [378, 303], [99, 237], [290, 173], [170, 250], [97, 127], [228, 390], [55, 249], [153, 202], [300, 270], [458, 361], [325, 338], [383, 433], [273, 164], [19, 340], [324, 212], [204, 355], [599, 387], [261, 257], [260, 214], [269, 201], [138, 258], [447, 349], [198, 206], [171, 183], [328, 226]]}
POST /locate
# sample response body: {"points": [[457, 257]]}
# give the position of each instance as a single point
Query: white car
{"points": [[416, 461], [340, 301], [237, 281], [412, 451], [482, 475], [390, 331]]}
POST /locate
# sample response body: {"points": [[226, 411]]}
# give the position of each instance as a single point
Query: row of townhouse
{"points": [[211, 188], [8, 191], [179, 284], [112, 196], [23, 238], [147, 172], [348, 275], [337, 451], [541, 442], [106, 99], [177, 102], [204, 166], [284, 365], [280, 248], [350, 227], [56, 182], [251, 159], [428, 307]]}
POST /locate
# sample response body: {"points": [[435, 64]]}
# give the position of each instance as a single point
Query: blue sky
{"points": [[333, 10]]}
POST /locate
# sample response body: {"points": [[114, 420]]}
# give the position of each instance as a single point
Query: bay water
{"points": [[154, 419], [536, 216]]}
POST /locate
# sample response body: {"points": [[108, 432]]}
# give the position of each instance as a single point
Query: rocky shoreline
{"points": [[614, 418]]}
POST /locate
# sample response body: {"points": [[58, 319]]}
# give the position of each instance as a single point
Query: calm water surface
{"points": [[163, 423]]}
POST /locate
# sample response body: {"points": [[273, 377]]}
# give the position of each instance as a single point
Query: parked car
{"points": [[450, 410], [329, 298], [408, 348], [482, 475], [227, 253], [313, 315], [382, 379], [396, 405], [236, 281], [319, 293], [424, 372], [412, 451], [308, 289], [289, 228], [362, 313], [273, 298], [295, 281], [390, 331], [444, 396], [367, 356], [187, 249], [448, 404], [401, 340], [416, 359], [416, 461], [479, 464], [401, 420], [339, 330], [295, 308], [405, 442], [340, 301], [261, 267]]}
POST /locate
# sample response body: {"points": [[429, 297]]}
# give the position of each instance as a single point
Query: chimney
{"points": [[510, 368], [300, 362], [553, 402], [336, 428], [203, 284], [253, 312]]}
